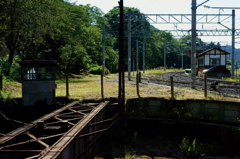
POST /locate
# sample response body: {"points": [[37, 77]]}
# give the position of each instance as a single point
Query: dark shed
{"points": [[38, 81]]}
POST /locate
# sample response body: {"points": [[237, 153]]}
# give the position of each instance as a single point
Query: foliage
{"points": [[53, 29], [72, 35], [5, 96], [15, 73], [98, 70], [193, 148], [154, 39], [24, 26]]}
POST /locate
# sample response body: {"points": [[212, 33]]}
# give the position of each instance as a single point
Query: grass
{"points": [[89, 87]]}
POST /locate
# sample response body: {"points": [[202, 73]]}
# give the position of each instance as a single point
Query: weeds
{"points": [[194, 148], [139, 141], [5, 96]]}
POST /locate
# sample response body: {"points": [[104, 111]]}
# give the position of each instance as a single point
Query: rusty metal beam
{"points": [[115, 118], [101, 122], [20, 130], [7, 119], [62, 120], [62, 143], [12, 151], [39, 141], [29, 141], [100, 131], [65, 119], [64, 137], [32, 157]]}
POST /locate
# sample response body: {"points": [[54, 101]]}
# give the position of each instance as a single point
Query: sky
{"points": [[178, 7]]}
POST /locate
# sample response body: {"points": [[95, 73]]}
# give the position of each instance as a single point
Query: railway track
{"points": [[214, 85]]}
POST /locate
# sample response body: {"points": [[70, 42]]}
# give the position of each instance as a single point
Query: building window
{"points": [[215, 61], [45, 73], [200, 62], [29, 73], [39, 73]]}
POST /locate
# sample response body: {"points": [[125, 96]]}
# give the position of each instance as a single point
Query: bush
{"points": [[15, 71], [98, 70], [193, 148]]}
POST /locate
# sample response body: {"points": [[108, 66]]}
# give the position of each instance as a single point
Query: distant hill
{"points": [[228, 48]]}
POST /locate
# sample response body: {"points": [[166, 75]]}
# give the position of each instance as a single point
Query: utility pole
{"points": [[137, 64], [133, 59], [233, 34], [182, 59], [233, 41], [129, 46], [193, 47], [144, 56], [103, 50], [164, 52], [121, 84]]}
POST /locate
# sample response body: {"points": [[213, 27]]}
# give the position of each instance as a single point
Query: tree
{"points": [[213, 45], [24, 25], [52, 29], [153, 37]]}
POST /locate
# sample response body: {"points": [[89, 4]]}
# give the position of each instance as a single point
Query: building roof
{"points": [[202, 52], [206, 51]]}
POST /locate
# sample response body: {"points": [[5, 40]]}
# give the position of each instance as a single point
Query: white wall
{"points": [[206, 60], [223, 60]]}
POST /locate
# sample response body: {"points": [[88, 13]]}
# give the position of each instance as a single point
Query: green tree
{"points": [[213, 45], [153, 37], [24, 25]]}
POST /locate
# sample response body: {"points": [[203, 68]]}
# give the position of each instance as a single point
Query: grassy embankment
{"points": [[88, 86]]}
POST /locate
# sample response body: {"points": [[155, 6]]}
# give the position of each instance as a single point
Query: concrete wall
{"points": [[199, 109], [33, 91]]}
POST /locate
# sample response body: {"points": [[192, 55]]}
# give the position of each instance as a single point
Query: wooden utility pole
{"points": [[121, 85]]}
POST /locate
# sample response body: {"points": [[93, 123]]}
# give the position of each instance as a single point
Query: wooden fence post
{"points": [[67, 86], [172, 88], [137, 84], [102, 92], [140, 76], [205, 85]]}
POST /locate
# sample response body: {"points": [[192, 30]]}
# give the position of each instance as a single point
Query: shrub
{"points": [[193, 148], [5, 96], [98, 70]]}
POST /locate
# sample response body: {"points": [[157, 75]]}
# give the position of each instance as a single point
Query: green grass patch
{"points": [[86, 86]]}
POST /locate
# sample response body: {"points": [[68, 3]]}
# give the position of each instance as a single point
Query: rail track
{"points": [[214, 85]]}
